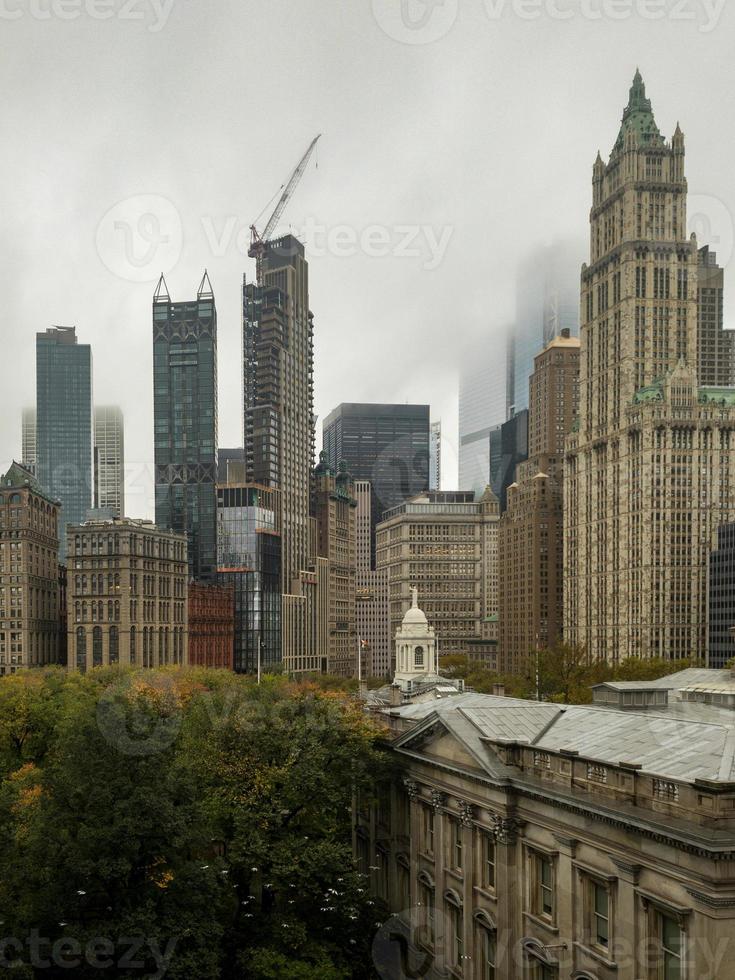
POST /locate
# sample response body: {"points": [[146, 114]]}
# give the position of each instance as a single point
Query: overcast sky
{"points": [[470, 123]]}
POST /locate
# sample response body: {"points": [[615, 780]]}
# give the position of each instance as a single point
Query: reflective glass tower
{"points": [[64, 423], [185, 419]]}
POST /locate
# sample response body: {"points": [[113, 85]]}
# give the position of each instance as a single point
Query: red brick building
{"points": [[211, 625]]}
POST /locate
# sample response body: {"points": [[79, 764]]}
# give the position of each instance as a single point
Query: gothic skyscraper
{"points": [[650, 470], [185, 418]]}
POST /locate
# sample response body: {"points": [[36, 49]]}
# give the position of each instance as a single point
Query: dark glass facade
{"points": [[185, 420], [721, 598], [385, 444], [508, 448], [249, 561], [64, 423]]}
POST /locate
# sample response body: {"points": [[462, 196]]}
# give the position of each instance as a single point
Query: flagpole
{"points": [[258, 658]]}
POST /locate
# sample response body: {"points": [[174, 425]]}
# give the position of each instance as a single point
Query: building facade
{"points": [[482, 410], [721, 598], [388, 445], [185, 421], [249, 562], [28, 440], [650, 471], [445, 544], [715, 345], [211, 625], [435, 456], [508, 449], [372, 615], [109, 460], [29, 573], [64, 423], [530, 537], [334, 507], [126, 595], [278, 378], [522, 841]]}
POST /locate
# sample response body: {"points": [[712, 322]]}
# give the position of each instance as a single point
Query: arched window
{"points": [[81, 650], [487, 943], [418, 657], [455, 919], [114, 645], [133, 651], [97, 646]]}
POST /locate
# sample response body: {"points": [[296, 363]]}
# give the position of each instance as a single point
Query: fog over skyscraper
{"points": [[109, 459]]}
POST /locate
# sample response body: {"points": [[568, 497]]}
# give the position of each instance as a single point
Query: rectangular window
{"points": [[670, 937], [544, 886], [456, 855], [488, 861], [600, 915], [428, 830]]}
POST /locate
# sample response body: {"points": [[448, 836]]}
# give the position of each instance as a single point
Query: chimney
{"points": [[396, 696], [499, 690], [566, 333]]}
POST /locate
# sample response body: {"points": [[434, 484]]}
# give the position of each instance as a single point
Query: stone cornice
{"points": [[625, 823]]}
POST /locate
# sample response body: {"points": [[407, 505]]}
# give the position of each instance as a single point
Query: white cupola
{"points": [[415, 646]]}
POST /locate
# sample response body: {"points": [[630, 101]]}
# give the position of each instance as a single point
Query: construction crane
{"points": [[258, 241]]}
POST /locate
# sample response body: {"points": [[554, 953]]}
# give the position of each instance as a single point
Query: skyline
{"points": [[471, 288]]}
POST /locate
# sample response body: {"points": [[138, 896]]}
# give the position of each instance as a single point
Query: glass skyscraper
{"points": [[185, 420], [64, 423], [249, 560], [385, 444]]}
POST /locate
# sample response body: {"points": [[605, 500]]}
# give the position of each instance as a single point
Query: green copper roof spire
{"points": [[638, 116]]}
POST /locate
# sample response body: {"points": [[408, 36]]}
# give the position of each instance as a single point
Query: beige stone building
{"points": [[445, 543], [126, 595], [372, 592], [29, 573], [334, 508], [529, 841], [650, 473], [530, 535]]}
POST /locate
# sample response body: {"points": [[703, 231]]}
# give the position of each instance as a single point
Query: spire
{"points": [[161, 294], [638, 117], [205, 288]]}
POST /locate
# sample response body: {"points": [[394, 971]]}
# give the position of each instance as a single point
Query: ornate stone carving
{"points": [[506, 829], [438, 799], [412, 788], [466, 813]]}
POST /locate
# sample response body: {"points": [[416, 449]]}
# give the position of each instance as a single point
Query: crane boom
{"points": [[258, 242]]}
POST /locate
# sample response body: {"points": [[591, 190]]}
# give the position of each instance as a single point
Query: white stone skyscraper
{"points": [[650, 471]]}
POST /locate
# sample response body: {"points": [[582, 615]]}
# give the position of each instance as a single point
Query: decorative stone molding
{"points": [[466, 813], [713, 901], [569, 842], [412, 788], [438, 799], [631, 870], [506, 829]]}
